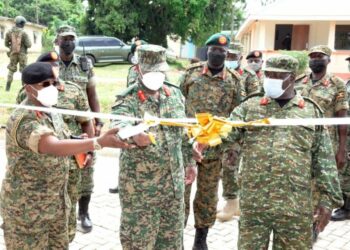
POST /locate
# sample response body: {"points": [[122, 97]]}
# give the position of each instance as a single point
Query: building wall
{"points": [[34, 32], [261, 35]]}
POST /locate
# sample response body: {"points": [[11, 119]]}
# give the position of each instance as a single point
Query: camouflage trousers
{"points": [[146, 226], [344, 178], [15, 59], [206, 198], [73, 193], [87, 181], [37, 231], [230, 177], [288, 232]]}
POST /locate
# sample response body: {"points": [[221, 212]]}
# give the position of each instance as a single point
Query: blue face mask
{"points": [[231, 64]]}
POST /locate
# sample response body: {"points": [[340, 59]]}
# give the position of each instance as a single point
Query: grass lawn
{"points": [[111, 81]]}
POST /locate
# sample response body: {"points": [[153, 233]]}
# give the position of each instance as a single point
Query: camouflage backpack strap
{"points": [[195, 65], [260, 94], [300, 77], [171, 84], [318, 107]]}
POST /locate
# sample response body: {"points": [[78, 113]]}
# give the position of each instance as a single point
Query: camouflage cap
{"points": [[321, 49], [282, 63], [218, 39], [235, 48], [152, 58], [66, 30]]}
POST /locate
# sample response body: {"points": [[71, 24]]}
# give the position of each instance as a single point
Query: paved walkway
{"points": [[105, 214]]}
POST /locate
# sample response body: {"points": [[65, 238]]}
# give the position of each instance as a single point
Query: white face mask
{"points": [[255, 66], [231, 64], [153, 80], [47, 96], [273, 87]]}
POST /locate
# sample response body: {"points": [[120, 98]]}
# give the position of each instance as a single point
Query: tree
{"points": [[153, 20]]}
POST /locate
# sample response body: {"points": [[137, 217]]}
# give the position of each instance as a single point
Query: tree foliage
{"points": [[153, 20]]}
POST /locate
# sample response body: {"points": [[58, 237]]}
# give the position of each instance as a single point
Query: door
{"points": [[300, 37]]}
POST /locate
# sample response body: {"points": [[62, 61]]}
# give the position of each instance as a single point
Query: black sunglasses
{"points": [[45, 84]]}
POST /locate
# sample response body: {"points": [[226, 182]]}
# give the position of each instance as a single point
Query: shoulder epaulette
{"points": [[336, 79], [127, 91], [171, 84], [235, 73], [261, 94], [313, 102], [195, 65]]}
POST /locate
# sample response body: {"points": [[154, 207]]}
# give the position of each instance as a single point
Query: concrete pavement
{"points": [[105, 214]]}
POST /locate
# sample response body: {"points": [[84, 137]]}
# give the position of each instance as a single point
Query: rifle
{"points": [[84, 60]]}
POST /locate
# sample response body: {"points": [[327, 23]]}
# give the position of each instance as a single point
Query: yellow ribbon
{"points": [[209, 129]]}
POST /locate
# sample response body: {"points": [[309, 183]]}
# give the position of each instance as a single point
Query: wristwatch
{"points": [[97, 146]]}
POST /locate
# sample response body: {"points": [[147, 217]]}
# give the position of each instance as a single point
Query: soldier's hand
{"points": [[142, 139], [88, 160], [322, 216], [340, 158], [111, 140], [197, 150], [190, 174], [98, 129]]}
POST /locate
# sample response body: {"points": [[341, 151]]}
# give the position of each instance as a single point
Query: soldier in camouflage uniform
{"points": [[330, 94], [278, 164], [234, 57], [209, 87], [34, 200], [76, 69], [151, 179], [70, 96], [17, 40], [252, 76], [343, 213]]}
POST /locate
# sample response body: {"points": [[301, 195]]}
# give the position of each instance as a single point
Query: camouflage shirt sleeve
{"points": [[82, 104], [183, 84], [123, 106], [8, 40], [29, 132], [341, 99], [26, 41], [325, 170]]}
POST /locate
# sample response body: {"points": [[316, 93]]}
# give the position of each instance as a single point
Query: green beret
{"points": [[321, 49], [218, 39], [282, 63], [254, 54]]}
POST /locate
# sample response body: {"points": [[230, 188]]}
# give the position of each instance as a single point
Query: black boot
{"points": [[114, 190], [84, 217], [342, 213], [200, 240], [8, 86]]}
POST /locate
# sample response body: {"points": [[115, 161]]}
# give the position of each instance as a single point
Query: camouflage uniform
{"points": [[132, 76], [277, 166], [217, 95], [34, 200], [17, 58], [151, 179], [70, 96], [275, 187], [73, 72], [252, 81], [330, 93]]}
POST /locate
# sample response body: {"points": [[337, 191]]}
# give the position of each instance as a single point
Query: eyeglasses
{"points": [[45, 84]]}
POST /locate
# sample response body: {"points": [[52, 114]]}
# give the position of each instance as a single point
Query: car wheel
{"points": [[92, 59], [130, 58]]}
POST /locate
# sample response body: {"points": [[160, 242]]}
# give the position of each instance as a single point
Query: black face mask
{"points": [[216, 59], [317, 66], [67, 47]]}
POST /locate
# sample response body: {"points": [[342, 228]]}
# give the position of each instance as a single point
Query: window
{"points": [[2, 32], [93, 42], [342, 37], [35, 36], [112, 42]]}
